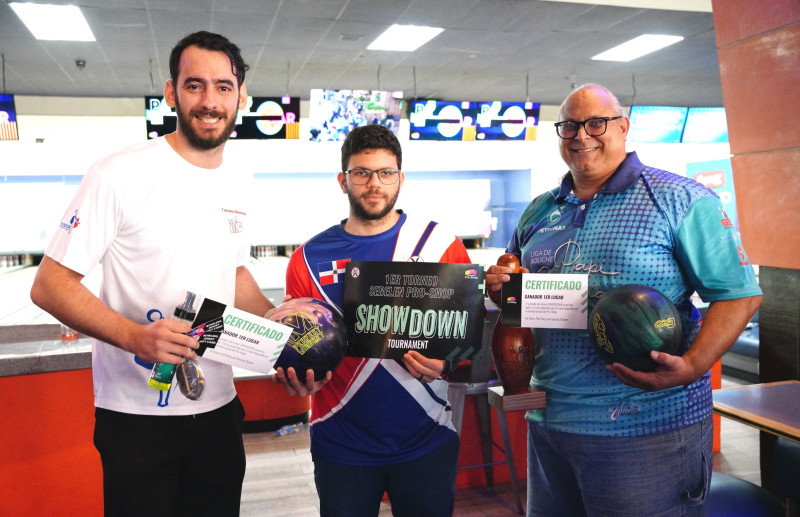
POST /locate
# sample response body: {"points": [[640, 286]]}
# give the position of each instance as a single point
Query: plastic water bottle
{"points": [[290, 429], [163, 373]]}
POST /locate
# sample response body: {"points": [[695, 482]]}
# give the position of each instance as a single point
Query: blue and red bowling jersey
{"points": [[373, 412]]}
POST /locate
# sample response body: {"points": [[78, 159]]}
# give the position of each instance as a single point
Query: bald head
{"points": [[601, 92], [592, 159]]}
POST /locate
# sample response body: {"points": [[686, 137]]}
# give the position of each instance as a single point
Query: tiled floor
{"points": [[280, 481]]}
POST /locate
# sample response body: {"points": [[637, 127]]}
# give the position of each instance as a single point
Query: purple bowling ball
{"points": [[319, 336]]}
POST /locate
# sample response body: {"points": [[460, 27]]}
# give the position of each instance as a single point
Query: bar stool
{"points": [[475, 381]]}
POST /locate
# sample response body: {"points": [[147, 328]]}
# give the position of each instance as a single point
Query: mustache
{"points": [[208, 114]]}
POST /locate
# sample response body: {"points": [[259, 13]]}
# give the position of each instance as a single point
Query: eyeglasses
{"points": [[594, 126], [361, 176]]}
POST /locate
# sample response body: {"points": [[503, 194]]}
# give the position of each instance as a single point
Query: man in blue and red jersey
{"points": [[613, 441], [377, 425]]}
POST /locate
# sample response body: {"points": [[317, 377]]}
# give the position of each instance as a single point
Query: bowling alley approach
{"points": [[419, 258]]}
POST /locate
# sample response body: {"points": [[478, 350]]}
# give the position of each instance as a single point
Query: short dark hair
{"points": [[209, 41], [373, 136]]}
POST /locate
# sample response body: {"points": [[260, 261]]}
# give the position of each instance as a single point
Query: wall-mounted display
{"points": [[332, 114], [262, 118], [8, 118], [657, 124], [507, 120], [442, 120], [705, 126]]}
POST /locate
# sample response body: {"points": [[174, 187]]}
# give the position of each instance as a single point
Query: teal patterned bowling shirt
{"points": [[646, 226]]}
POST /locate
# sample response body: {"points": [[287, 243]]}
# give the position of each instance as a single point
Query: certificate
{"points": [[237, 338], [393, 307], [543, 300]]}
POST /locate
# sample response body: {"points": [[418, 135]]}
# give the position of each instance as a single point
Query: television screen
{"points": [[507, 120], [8, 118], [333, 113], [657, 124], [262, 118], [161, 119], [705, 126], [269, 117], [442, 120]]}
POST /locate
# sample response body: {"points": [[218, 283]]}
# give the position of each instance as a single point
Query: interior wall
{"points": [[759, 60], [41, 171]]}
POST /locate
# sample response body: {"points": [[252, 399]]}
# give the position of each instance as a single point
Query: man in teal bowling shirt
{"points": [[613, 441]]}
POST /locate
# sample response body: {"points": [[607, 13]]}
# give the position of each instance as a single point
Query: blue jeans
{"points": [[658, 475], [425, 486]]}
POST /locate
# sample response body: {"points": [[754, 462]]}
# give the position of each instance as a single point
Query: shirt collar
{"points": [[625, 176]]}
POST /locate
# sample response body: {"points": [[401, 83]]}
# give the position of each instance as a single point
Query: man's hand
{"points": [[723, 322], [496, 276], [424, 369], [670, 371], [162, 341], [294, 386]]}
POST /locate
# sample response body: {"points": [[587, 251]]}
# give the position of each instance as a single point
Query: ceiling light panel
{"points": [[54, 22], [637, 47], [404, 38]]}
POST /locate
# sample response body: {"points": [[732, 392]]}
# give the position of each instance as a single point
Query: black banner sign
{"points": [[435, 309]]}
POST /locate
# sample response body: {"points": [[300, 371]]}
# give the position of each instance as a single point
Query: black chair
{"points": [[730, 496], [786, 466]]}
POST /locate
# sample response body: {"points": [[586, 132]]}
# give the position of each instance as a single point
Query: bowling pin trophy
{"points": [[513, 354]]}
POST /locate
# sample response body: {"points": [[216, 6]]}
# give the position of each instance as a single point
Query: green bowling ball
{"points": [[630, 321]]}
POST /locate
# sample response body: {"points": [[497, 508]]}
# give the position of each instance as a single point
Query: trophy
{"points": [[513, 354]]}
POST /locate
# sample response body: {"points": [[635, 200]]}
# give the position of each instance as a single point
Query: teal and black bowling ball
{"points": [[319, 336], [630, 321]]}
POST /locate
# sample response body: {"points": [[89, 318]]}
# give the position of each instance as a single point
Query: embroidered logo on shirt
{"points": [[726, 221], [622, 409], [742, 256], [332, 272], [236, 225], [555, 215], [73, 223]]}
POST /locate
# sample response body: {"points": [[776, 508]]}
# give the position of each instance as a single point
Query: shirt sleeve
{"points": [[89, 225], [456, 253], [710, 253], [298, 280]]}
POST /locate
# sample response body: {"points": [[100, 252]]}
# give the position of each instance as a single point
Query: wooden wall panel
{"points": [[767, 189], [735, 20], [760, 78]]}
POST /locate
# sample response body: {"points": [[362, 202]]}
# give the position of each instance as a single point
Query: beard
{"points": [[361, 212], [194, 139]]}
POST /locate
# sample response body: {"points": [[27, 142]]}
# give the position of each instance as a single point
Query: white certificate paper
{"points": [[542, 300], [237, 338]]}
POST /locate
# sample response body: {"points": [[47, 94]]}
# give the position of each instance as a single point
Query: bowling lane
{"points": [[16, 307]]}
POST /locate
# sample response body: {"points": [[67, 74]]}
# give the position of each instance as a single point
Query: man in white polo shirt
{"points": [[164, 217]]}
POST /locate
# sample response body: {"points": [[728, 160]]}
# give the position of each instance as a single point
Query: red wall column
{"points": [[758, 43]]}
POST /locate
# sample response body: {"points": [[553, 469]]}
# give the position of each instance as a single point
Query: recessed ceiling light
{"points": [[404, 38], [637, 47], [54, 22]]}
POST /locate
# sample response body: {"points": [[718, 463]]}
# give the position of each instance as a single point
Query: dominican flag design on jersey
{"points": [[332, 272], [372, 412]]}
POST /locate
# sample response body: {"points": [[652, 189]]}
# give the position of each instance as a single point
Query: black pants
{"points": [[172, 465]]}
